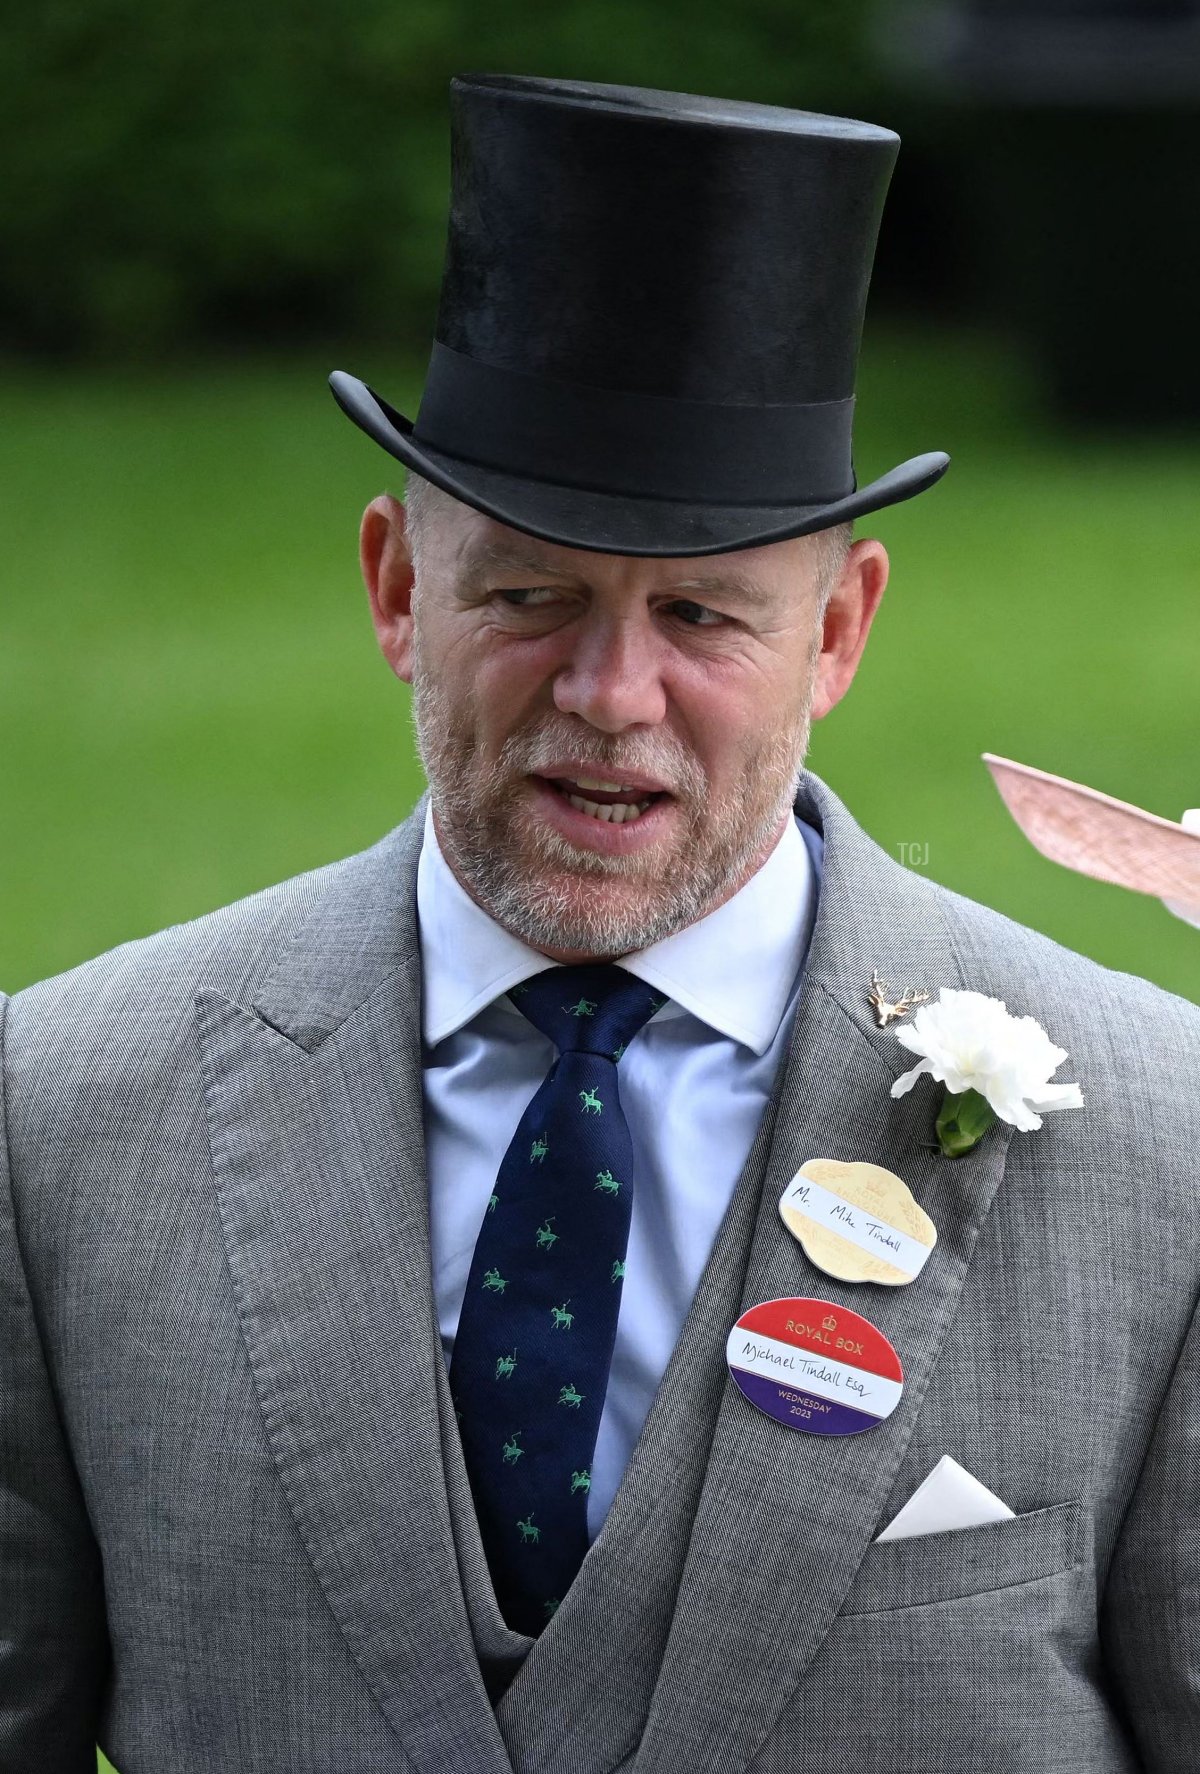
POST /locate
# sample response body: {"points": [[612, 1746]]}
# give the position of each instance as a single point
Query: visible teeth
{"points": [[618, 814], [608, 788]]}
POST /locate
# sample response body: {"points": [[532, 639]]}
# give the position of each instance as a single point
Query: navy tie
{"points": [[535, 1340]]}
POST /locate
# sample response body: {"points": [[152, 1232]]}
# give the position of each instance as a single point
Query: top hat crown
{"points": [[650, 318]]}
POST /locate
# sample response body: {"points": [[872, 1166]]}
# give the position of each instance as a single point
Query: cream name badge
{"points": [[858, 1222], [814, 1366]]}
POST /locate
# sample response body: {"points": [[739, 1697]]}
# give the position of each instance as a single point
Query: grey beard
{"points": [[556, 914], [549, 915]]}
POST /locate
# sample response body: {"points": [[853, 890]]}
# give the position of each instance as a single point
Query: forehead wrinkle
{"points": [[475, 559]]}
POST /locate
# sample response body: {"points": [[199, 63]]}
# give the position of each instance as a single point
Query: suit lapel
{"points": [[315, 1110], [784, 1517], [315, 1114]]}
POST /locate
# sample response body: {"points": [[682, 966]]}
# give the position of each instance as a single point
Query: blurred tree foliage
{"points": [[182, 173]]}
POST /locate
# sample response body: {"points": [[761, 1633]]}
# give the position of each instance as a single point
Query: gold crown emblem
{"points": [[830, 1322]]}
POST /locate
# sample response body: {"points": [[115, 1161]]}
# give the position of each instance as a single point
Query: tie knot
{"points": [[588, 1009]]}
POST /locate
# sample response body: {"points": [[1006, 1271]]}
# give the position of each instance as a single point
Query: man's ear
{"points": [[386, 560], [848, 617]]}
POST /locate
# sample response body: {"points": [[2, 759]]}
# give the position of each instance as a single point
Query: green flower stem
{"points": [[962, 1122]]}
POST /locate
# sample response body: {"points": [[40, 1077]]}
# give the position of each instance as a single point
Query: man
{"points": [[292, 1472]]}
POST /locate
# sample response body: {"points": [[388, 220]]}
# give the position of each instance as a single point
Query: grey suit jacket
{"points": [[235, 1530]]}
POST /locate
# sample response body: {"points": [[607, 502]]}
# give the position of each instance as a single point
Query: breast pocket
{"points": [[968, 1561]]}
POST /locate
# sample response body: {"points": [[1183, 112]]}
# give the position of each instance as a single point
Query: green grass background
{"points": [[192, 705]]}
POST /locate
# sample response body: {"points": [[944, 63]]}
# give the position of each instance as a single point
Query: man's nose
{"points": [[612, 676]]}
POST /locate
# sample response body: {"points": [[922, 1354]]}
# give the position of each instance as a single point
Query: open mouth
{"points": [[614, 802]]}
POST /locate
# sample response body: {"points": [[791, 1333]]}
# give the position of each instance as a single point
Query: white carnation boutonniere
{"points": [[991, 1063]]}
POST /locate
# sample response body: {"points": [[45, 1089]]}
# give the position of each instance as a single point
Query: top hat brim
{"points": [[617, 523]]}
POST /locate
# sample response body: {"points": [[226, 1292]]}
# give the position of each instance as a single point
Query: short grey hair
{"points": [[835, 544], [422, 500]]}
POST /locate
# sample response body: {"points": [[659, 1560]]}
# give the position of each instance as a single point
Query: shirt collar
{"points": [[735, 969]]}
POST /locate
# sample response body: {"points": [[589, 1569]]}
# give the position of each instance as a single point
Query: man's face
{"points": [[612, 744]]}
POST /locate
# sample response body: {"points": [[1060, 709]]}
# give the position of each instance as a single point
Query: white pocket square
{"points": [[948, 1498]]}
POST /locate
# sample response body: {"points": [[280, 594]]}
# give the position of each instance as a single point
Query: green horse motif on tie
{"points": [[563, 1320], [545, 1237], [494, 1282], [505, 1365], [591, 1103], [619, 1053], [538, 1149], [606, 1181], [618, 1271], [568, 1395], [528, 1531], [513, 1449], [581, 1481], [493, 1201], [585, 1007]]}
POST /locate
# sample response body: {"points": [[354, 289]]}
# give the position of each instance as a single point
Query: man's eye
{"points": [[523, 597], [696, 615]]}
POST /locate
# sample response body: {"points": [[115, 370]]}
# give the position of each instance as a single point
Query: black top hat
{"points": [[650, 318]]}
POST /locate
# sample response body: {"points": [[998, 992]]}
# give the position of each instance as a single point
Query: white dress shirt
{"points": [[694, 1085]]}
